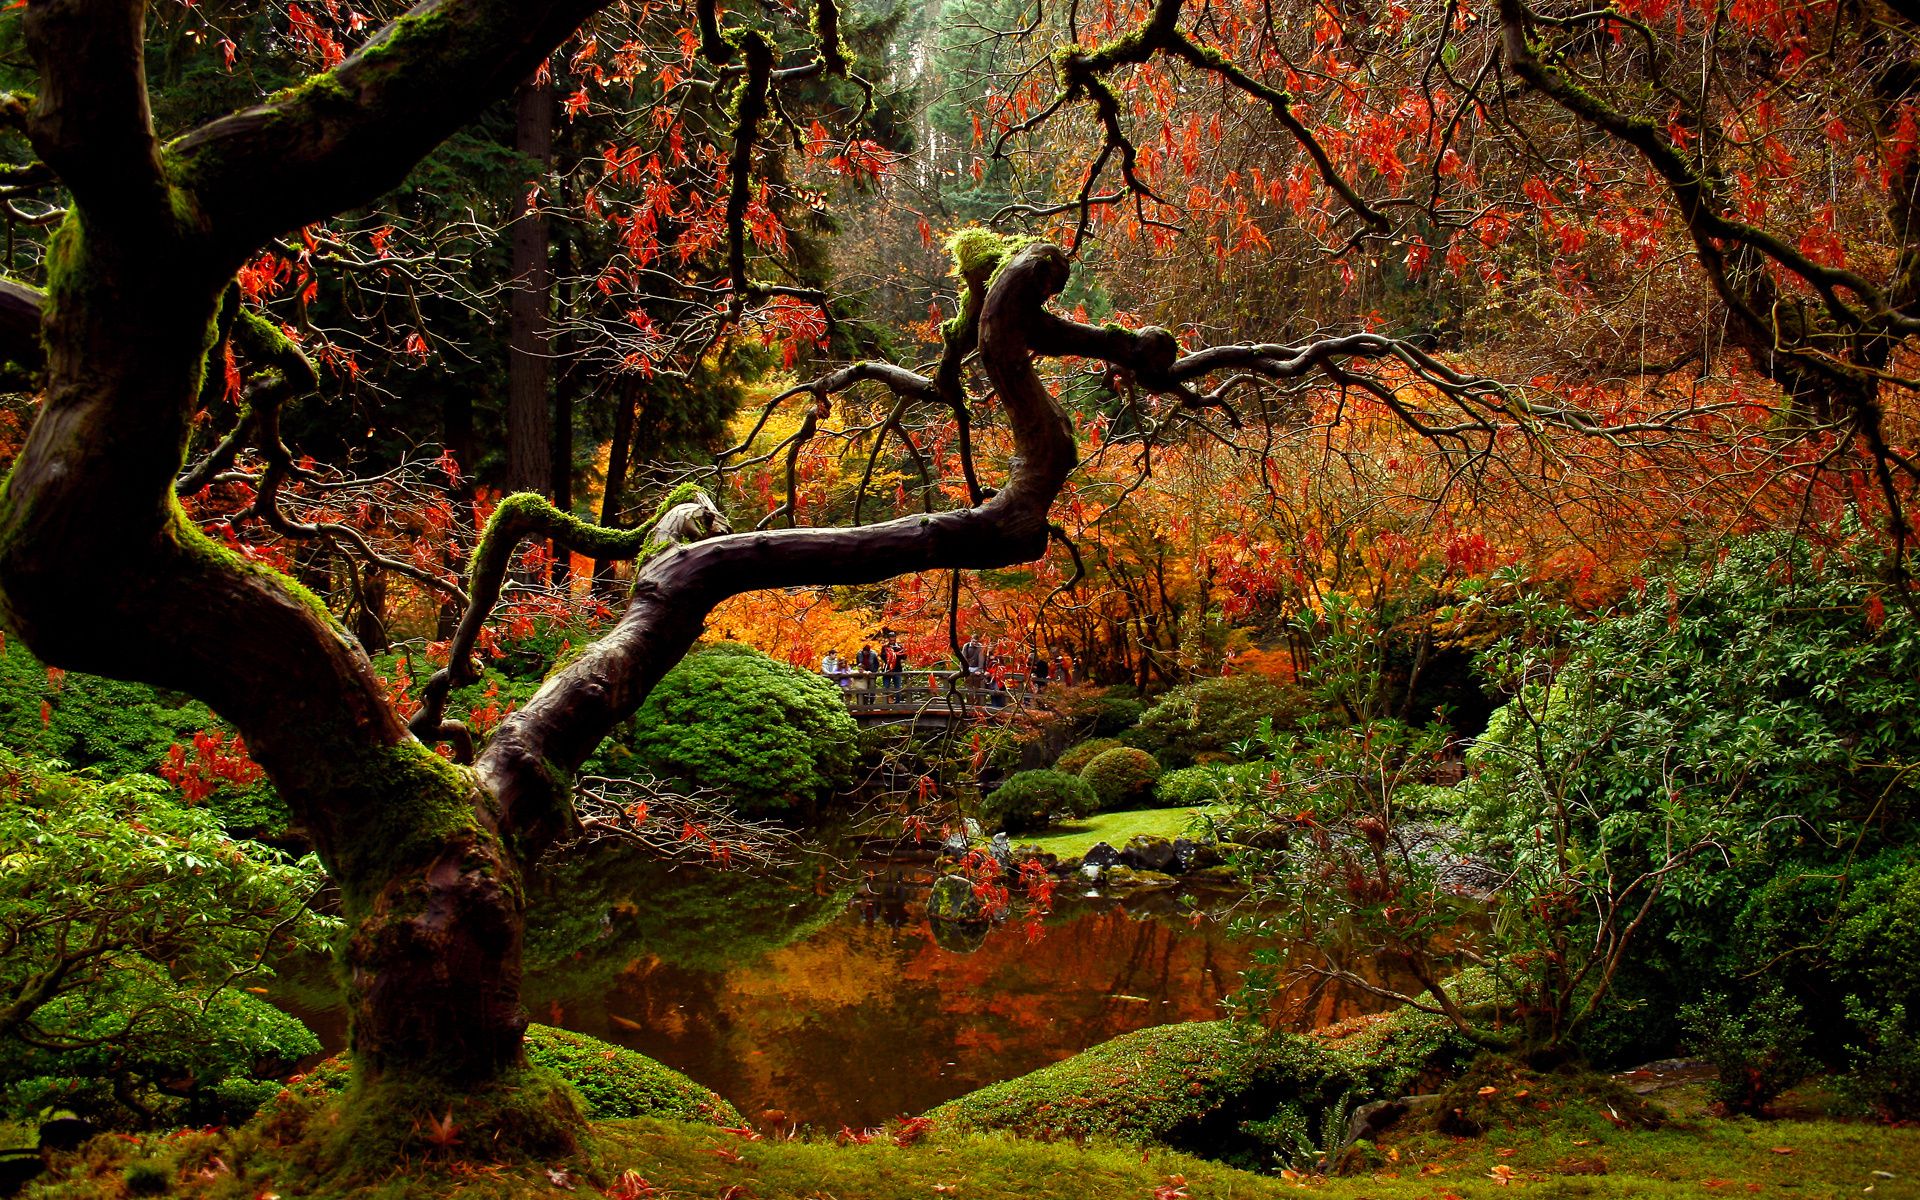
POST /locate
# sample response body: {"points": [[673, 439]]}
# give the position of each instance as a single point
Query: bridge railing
{"points": [[922, 693]]}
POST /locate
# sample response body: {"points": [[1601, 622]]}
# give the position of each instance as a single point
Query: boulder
{"points": [[1196, 856], [1144, 852], [1101, 855], [1126, 879], [1023, 855], [1001, 850]]}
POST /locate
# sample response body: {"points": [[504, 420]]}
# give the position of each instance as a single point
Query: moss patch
{"points": [[1075, 838], [1218, 1088], [616, 1082]]}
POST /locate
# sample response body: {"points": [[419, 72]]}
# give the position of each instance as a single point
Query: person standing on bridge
{"points": [[893, 657], [1037, 670], [869, 664], [973, 660]]}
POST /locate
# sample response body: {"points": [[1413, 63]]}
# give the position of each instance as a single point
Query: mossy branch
{"points": [[518, 517]]}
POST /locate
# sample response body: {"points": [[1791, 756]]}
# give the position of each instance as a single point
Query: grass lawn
{"points": [[1114, 828]]}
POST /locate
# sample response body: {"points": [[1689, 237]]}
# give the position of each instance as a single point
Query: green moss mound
{"points": [[615, 1082], [1219, 1089]]}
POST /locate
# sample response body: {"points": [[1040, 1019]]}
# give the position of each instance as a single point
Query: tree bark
{"points": [[615, 495], [529, 457]]}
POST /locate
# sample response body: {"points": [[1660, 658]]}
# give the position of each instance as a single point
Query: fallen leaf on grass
{"points": [[1784, 1150], [1502, 1175]]}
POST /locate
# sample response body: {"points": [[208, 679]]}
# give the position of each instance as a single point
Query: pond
{"points": [[807, 1000]]}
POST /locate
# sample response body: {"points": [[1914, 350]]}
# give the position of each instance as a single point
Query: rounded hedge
{"points": [[771, 736], [1027, 800], [1076, 757], [1122, 778]]}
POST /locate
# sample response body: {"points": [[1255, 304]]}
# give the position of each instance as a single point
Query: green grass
{"points": [[1075, 839]]}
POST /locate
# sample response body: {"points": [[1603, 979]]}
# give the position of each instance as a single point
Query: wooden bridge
{"points": [[923, 697]]}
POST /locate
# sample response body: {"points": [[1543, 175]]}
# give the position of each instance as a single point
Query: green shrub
{"points": [[1199, 787], [617, 1083], [1076, 757], [1215, 716], [1112, 713], [1759, 1048], [769, 735], [1737, 734], [155, 1029], [117, 728], [1885, 1079], [1025, 801], [1121, 778]]}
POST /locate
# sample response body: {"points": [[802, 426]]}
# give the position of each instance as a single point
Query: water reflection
{"points": [[806, 1002]]}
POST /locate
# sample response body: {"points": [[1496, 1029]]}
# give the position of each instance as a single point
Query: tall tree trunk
{"points": [[566, 390], [529, 459], [615, 496]]}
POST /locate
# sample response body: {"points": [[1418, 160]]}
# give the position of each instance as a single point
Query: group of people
{"points": [[984, 670], [888, 664]]}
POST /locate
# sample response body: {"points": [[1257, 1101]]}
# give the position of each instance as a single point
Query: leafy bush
{"points": [[1076, 757], [1215, 716], [1760, 1049], [1199, 787], [155, 1029], [1026, 800], [117, 728], [1731, 748], [1886, 1061], [770, 735], [1122, 778]]}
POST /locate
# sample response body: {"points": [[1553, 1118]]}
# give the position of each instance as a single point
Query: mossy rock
{"points": [[1126, 879], [616, 1082], [1212, 1088]]}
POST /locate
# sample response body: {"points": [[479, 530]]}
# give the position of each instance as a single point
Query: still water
{"points": [[827, 1004]]}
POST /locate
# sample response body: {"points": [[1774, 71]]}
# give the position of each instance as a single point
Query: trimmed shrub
{"points": [[1077, 756], [1122, 778], [1214, 716], [772, 736], [616, 1082], [1027, 800]]}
